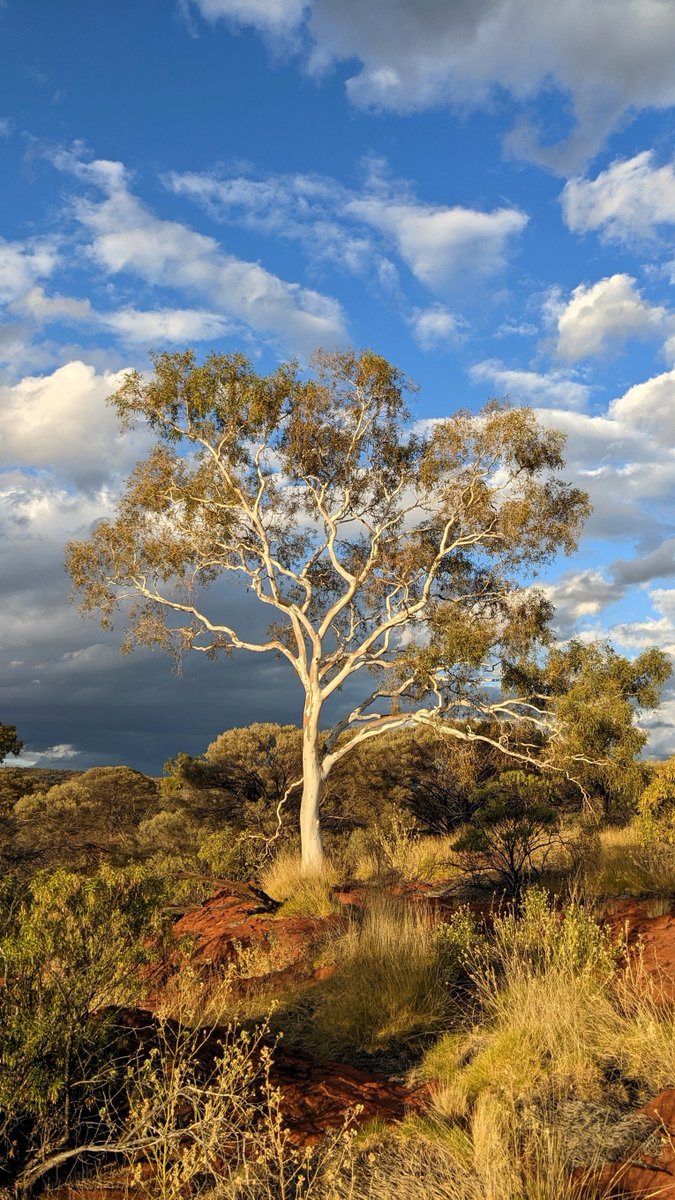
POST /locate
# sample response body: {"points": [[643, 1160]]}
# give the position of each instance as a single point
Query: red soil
{"points": [[650, 939]]}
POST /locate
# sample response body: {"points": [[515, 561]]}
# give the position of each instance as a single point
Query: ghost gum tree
{"points": [[379, 549]]}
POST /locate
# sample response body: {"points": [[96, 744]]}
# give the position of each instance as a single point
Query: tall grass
{"points": [[560, 1018], [390, 985], [395, 851], [627, 865], [501, 1154]]}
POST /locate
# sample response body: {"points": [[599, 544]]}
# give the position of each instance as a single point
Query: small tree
{"points": [[378, 548], [514, 827], [9, 742], [599, 697]]}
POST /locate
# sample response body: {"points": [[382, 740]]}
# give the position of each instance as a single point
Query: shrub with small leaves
{"points": [[71, 949]]}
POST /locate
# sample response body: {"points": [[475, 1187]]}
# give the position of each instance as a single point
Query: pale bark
{"points": [[312, 783]]}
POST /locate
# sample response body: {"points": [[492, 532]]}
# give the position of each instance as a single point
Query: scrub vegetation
{"points": [[412, 921], [508, 1005]]}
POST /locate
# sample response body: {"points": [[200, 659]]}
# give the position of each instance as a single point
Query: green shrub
{"points": [[656, 805], [514, 829], [72, 948], [560, 1020]]}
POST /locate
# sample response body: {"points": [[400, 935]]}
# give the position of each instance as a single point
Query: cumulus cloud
{"points": [[125, 236], [554, 388], [60, 422], [440, 243], [601, 317], [608, 58], [651, 631], [578, 595], [628, 472], [649, 405], [436, 326], [630, 200]]}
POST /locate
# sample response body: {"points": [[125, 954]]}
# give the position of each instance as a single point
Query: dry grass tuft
{"points": [[390, 986], [626, 865], [301, 894]]}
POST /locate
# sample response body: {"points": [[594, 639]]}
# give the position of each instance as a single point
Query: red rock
{"points": [[316, 1097], [650, 941], [238, 922]]}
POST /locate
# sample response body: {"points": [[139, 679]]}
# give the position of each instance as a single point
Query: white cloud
{"points": [[627, 470], [127, 237], [602, 316], [436, 326], [610, 57], [578, 595], [270, 16], [22, 264], [439, 244], [167, 325], [649, 405], [54, 308], [629, 200], [553, 389], [309, 209], [60, 422], [651, 631], [63, 752]]}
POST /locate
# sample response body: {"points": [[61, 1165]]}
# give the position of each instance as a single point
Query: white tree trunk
{"points": [[312, 783]]}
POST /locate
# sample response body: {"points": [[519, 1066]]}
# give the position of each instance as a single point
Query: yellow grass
{"points": [[301, 894]]}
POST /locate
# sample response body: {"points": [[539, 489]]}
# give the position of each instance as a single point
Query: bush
{"points": [[560, 1021], [72, 949], [514, 829], [88, 819], [656, 805]]}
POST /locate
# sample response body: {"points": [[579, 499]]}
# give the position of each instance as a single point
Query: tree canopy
{"points": [[381, 548], [10, 743]]}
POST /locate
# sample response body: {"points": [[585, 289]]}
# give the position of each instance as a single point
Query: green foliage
{"points": [[544, 1016], [10, 743], [428, 775], [599, 695], [240, 780], [539, 938], [87, 819], [16, 782], [656, 806], [230, 854], [71, 947], [514, 828]]}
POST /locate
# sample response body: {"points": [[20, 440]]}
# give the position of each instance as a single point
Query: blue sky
{"points": [[483, 191]]}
